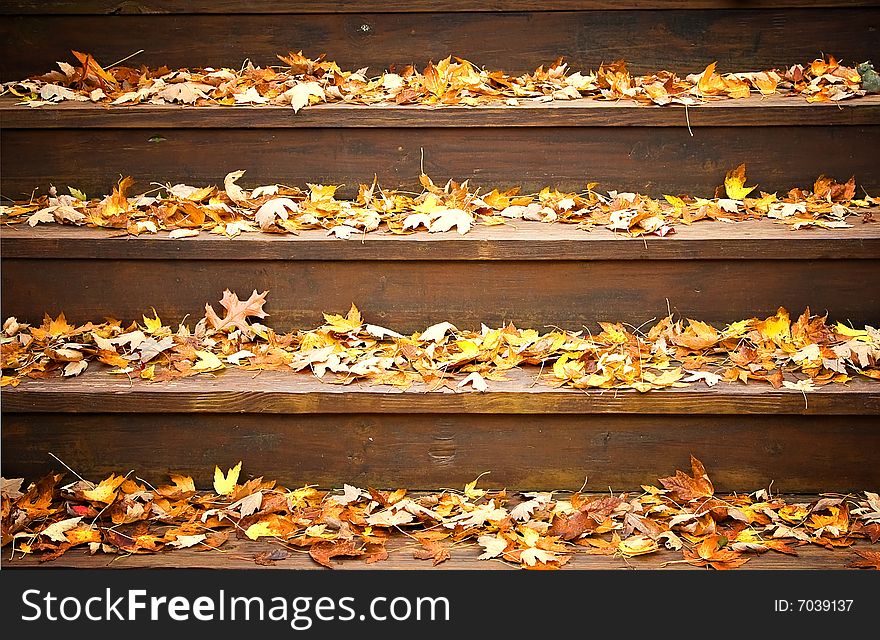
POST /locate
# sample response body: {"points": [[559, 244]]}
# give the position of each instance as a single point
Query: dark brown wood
{"points": [[240, 554], [518, 240], [419, 449], [751, 112], [411, 295], [121, 7], [648, 160], [682, 40], [237, 391]]}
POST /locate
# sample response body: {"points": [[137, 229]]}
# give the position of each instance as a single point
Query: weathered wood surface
{"points": [[116, 7], [240, 554], [746, 439], [409, 295], [769, 111], [647, 160], [517, 240], [683, 40], [286, 392]]}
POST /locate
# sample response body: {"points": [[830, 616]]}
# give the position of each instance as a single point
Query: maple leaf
{"points": [[117, 202], [684, 487], [105, 492], [476, 381], [493, 546], [322, 552], [225, 484], [273, 209], [869, 560], [734, 183], [712, 552], [11, 487], [182, 487], [435, 333], [55, 531], [182, 542], [302, 93], [235, 193], [237, 311], [207, 362], [432, 550]]}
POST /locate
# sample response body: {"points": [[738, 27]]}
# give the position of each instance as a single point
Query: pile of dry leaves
{"points": [[793, 354], [302, 81], [185, 211], [538, 530]]}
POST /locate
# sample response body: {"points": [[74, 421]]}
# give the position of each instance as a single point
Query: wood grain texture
{"points": [[411, 295], [237, 391], [240, 554], [653, 161], [427, 450], [771, 111], [122, 7], [682, 40], [518, 240]]}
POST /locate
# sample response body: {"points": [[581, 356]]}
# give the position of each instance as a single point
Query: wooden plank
{"points": [[682, 40], [122, 7], [770, 111], [518, 240], [652, 161], [240, 554], [411, 295], [285, 392], [420, 450]]}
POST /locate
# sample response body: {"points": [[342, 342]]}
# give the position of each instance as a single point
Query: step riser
{"points": [[796, 453], [680, 40], [411, 295], [652, 161]]}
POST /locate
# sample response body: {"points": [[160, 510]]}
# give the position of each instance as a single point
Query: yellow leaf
{"points": [[637, 546], [678, 203], [260, 530], [224, 485], [844, 330], [207, 362], [471, 491], [149, 373], [734, 183], [776, 327], [106, 491], [153, 324]]}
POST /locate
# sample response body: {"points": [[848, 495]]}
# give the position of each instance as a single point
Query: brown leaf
{"points": [[269, 558], [684, 487], [237, 311], [432, 550], [375, 553], [869, 560], [321, 552], [712, 552]]}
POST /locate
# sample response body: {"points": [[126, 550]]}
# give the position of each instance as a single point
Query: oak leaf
{"points": [[237, 311]]}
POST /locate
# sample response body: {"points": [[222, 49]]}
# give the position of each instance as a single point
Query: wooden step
{"points": [[622, 146], [531, 274], [241, 554], [681, 36], [298, 429]]}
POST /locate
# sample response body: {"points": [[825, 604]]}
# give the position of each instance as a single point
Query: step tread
{"points": [[240, 391], [769, 111], [240, 554], [519, 240], [91, 7]]}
